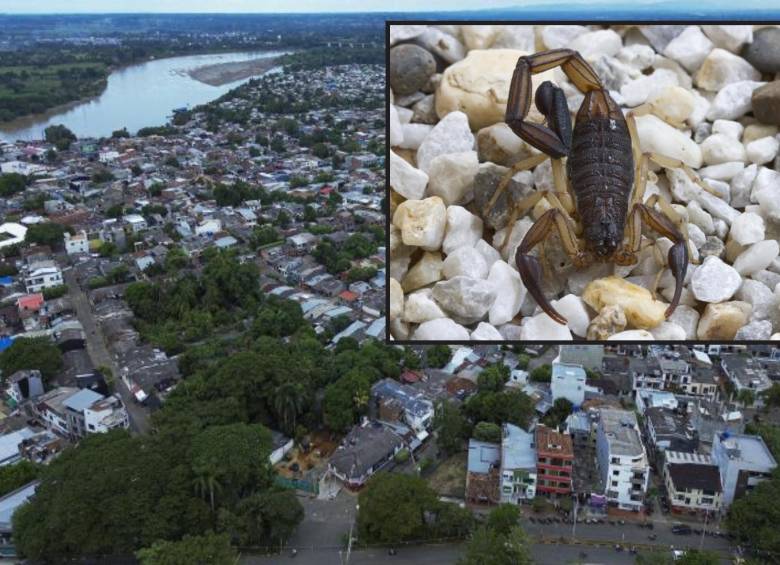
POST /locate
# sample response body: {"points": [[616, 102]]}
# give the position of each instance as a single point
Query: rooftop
{"points": [[747, 449], [483, 456], [517, 448], [621, 430], [552, 442], [693, 476]]}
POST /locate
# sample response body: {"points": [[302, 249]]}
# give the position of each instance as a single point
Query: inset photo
{"points": [[583, 182]]}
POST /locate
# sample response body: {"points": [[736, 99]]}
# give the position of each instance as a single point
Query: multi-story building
{"points": [[622, 459], [674, 370], [393, 401], [743, 461], [483, 472], [588, 356], [568, 381], [42, 274], [554, 462], [747, 374], [518, 465], [75, 244], [693, 482], [74, 413]]}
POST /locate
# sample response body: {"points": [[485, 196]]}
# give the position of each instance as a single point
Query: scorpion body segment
{"points": [[601, 170]]}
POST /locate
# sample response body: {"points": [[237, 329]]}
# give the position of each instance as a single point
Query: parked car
{"points": [[681, 530]]}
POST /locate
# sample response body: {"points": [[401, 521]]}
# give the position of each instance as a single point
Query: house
{"points": [[622, 459], [9, 446], [74, 413], [393, 401], [588, 356], [42, 274], [136, 222], [743, 461], [302, 243], [692, 482], [670, 430], [568, 381], [75, 244], [364, 450], [12, 233], [483, 472], [518, 465], [554, 462], [746, 374], [23, 385]]}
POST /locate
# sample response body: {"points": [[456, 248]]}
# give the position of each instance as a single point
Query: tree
{"points": [[557, 415], [451, 428], [12, 183], [489, 547], [503, 518], [753, 518], [487, 431], [438, 356], [309, 214], [542, 374], [289, 401], [263, 235], [47, 233], [346, 399], [31, 353], [493, 377], [263, 519], [746, 397], [772, 395], [522, 361], [208, 549], [60, 136], [392, 508], [278, 317], [17, 475], [283, 219]]}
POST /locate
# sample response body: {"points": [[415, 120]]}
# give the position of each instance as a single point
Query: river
{"points": [[136, 96]]}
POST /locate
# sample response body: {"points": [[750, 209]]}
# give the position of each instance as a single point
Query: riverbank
{"points": [[224, 73]]}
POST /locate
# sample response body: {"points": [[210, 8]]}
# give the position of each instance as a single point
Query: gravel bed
{"points": [[708, 95]]}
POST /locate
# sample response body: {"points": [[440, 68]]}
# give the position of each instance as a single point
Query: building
{"points": [[42, 274], [670, 430], [518, 465], [554, 462], [588, 356], [74, 413], [23, 385], [78, 243], [746, 374], [622, 459], [568, 381], [280, 446], [482, 472], [364, 450], [9, 446], [393, 401], [743, 462], [675, 370], [9, 503], [692, 482], [136, 222]]}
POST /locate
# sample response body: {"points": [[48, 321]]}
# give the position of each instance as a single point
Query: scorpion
{"points": [[603, 181]]}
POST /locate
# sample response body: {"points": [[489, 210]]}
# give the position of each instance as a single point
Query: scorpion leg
{"points": [[678, 253], [530, 268], [524, 165]]}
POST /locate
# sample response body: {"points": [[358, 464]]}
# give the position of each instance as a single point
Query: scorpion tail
{"points": [[678, 263], [531, 273]]}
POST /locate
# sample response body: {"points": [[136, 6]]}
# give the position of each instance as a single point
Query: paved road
{"points": [[96, 347]]}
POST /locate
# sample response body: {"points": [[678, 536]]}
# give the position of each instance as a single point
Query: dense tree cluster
{"points": [[60, 136], [11, 183], [31, 353]]}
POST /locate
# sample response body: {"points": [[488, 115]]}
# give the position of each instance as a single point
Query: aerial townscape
{"points": [[194, 360]]}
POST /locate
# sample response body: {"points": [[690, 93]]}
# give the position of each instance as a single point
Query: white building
{"points": [[568, 381], [518, 465], [136, 222], [42, 274], [209, 227], [743, 460], [12, 233], [76, 243], [622, 459], [692, 482]]}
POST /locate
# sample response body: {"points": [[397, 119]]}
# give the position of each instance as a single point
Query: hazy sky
{"points": [[123, 6], [280, 6]]}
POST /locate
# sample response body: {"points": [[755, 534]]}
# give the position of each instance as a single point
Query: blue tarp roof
{"points": [[5, 343]]}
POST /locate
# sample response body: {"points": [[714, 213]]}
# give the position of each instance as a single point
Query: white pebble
{"points": [[452, 176], [757, 330], [632, 335], [687, 318], [464, 229], [640, 89], [396, 299], [558, 36], [510, 293], [728, 127], [748, 228], [656, 136], [742, 186], [451, 135], [697, 215], [690, 48], [466, 298], [441, 329], [413, 135], [733, 100], [489, 254], [715, 281], [442, 44], [757, 257], [405, 179], [731, 37], [464, 261], [722, 171], [421, 222], [543, 328], [420, 308], [668, 331], [721, 148], [594, 44], [574, 309], [721, 68], [396, 132], [762, 150], [486, 332]]}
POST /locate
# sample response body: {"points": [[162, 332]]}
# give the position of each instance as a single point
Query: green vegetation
{"points": [[236, 194], [542, 374], [452, 428], [12, 183], [47, 233], [487, 431], [55, 292], [17, 475], [31, 353], [438, 356], [393, 509], [60, 136], [335, 260], [208, 549], [558, 413]]}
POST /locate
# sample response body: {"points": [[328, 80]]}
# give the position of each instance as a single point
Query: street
{"points": [[319, 541], [96, 347]]}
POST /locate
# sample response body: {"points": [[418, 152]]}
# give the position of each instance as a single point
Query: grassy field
{"points": [[29, 89], [449, 478]]}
